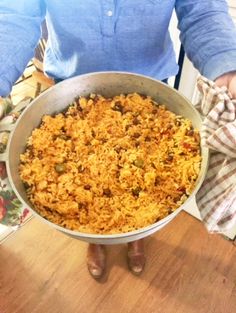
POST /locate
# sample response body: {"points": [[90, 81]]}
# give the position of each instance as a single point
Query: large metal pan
{"points": [[109, 84]]}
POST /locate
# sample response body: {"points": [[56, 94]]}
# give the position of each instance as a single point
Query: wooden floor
{"points": [[188, 270]]}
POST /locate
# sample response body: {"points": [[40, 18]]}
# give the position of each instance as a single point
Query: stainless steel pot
{"points": [[109, 84]]}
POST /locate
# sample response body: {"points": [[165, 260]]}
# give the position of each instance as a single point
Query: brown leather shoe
{"points": [[96, 260], [136, 257]]}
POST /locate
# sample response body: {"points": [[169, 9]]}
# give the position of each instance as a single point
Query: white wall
{"points": [[232, 8]]}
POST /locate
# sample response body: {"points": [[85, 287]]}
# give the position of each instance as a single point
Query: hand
{"points": [[228, 80]]}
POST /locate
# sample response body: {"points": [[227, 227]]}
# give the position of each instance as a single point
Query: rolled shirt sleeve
{"points": [[208, 35], [20, 22]]}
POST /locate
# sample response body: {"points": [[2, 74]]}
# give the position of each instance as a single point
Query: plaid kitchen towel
{"points": [[216, 198]]}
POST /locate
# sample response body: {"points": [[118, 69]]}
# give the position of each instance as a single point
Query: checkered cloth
{"points": [[216, 198]]}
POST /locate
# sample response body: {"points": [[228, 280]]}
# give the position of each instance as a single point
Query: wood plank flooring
{"points": [[188, 270]]}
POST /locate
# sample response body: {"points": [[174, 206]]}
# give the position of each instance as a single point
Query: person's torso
{"points": [[94, 35]]}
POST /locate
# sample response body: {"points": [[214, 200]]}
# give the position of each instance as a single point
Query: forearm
{"points": [[208, 35], [20, 31]]}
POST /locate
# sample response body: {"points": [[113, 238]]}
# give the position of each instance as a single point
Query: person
{"points": [[117, 35]]}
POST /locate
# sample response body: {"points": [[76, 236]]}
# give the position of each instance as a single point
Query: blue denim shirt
{"points": [[97, 35]]}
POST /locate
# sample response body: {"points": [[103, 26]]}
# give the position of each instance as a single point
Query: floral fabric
{"points": [[12, 211]]}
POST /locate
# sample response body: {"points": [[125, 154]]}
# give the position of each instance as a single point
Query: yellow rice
{"points": [[124, 163]]}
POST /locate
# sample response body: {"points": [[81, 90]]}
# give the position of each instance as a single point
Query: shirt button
{"points": [[109, 13]]}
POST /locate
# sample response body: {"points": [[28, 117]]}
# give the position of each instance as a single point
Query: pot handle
{"points": [[7, 124]]}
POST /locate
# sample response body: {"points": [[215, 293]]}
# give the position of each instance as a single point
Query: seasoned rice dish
{"points": [[110, 165]]}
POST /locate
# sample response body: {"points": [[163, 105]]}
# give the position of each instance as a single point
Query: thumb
{"points": [[228, 80]]}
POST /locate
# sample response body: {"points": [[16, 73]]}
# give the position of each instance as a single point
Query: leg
{"points": [[136, 256], [96, 260]]}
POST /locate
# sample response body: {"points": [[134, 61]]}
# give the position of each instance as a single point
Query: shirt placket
{"points": [[108, 11]]}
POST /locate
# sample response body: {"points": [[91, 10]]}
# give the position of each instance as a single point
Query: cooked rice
{"points": [[110, 165]]}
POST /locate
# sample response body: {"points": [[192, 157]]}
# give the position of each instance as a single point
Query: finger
{"points": [[233, 95], [232, 87]]}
